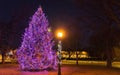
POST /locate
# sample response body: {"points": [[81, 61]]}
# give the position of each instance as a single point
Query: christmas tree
{"points": [[36, 51]]}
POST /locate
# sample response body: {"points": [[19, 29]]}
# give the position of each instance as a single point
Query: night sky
{"points": [[61, 13], [78, 19], [52, 8]]}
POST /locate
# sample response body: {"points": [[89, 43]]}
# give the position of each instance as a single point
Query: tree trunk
{"points": [[3, 58], [109, 63], [76, 58], [69, 55], [109, 58]]}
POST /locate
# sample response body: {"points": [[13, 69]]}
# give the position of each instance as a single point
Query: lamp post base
{"points": [[59, 69]]}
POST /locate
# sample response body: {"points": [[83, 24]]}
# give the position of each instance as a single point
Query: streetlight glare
{"points": [[60, 34]]}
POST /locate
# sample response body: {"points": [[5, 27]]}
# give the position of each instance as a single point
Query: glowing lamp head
{"points": [[60, 34]]}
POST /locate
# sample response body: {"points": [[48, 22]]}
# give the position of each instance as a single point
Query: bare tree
{"points": [[104, 22]]}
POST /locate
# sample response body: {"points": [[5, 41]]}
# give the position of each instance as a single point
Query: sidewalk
{"points": [[70, 69]]}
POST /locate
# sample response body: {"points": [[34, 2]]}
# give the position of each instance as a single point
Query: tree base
{"points": [[38, 70]]}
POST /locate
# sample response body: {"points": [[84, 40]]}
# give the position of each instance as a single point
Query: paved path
{"points": [[70, 69]]}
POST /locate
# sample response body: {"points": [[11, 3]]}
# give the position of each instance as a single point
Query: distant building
{"points": [[9, 56], [0, 57], [116, 53], [81, 54]]}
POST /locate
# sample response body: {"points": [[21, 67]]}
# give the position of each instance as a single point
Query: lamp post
{"points": [[59, 35]]}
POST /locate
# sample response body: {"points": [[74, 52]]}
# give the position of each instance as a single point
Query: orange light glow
{"points": [[60, 33]]}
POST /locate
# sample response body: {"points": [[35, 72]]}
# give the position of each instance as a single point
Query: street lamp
{"points": [[59, 35]]}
